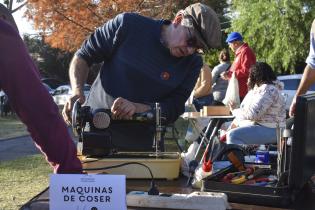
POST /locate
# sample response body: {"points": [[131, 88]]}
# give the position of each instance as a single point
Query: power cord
{"points": [[153, 188]]}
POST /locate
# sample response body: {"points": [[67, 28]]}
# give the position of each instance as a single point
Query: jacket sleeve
{"points": [[246, 61], [173, 105], [103, 41], [310, 60], [256, 106], [243, 63], [204, 87]]}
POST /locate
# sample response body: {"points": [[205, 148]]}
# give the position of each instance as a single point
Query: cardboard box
{"points": [[215, 111]]}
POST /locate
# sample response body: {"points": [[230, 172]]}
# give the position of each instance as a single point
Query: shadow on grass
{"points": [[11, 127]]}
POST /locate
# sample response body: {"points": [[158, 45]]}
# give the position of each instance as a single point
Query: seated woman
{"points": [[202, 94], [262, 109]]}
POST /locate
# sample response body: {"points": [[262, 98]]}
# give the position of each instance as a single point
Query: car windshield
{"points": [[293, 84], [312, 88]]}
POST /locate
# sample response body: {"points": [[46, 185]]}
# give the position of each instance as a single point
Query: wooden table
{"points": [[305, 202]]}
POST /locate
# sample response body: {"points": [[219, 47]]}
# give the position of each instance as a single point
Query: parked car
{"points": [[63, 92], [52, 83], [291, 84], [49, 89]]}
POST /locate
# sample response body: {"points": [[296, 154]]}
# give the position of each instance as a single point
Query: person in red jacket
{"points": [[244, 59]]}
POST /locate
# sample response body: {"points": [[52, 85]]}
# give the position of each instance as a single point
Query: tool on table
{"points": [[193, 164], [259, 172], [204, 138], [250, 176], [235, 161], [158, 129], [210, 144], [239, 179], [192, 167], [282, 137], [217, 176]]}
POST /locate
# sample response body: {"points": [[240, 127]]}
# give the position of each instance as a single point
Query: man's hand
{"points": [[67, 109], [292, 107], [224, 75], [123, 109]]}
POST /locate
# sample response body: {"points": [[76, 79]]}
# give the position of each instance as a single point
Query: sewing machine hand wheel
{"points": [[75, 116]]}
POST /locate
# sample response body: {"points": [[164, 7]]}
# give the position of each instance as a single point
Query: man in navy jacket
{"points": [[144, 61]]}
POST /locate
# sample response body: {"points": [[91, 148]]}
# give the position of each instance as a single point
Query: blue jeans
{"points": [[203, 101], [252, 134]]}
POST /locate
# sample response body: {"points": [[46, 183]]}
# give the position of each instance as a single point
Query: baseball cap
{"points": [[234, 36], [206, 25]]}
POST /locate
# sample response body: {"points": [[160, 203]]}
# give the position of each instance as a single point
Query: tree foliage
{"points": [[51, 62], [66, 23], [277, 30]]}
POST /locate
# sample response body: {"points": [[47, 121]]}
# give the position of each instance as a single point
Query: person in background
{"points": [[244, 59], [308, 77], [219, 85], [155, 60], [20, 80], [261, 111], [202, 95]]}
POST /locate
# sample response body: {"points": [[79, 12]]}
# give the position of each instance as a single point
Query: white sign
{"points": [[87, 192]]}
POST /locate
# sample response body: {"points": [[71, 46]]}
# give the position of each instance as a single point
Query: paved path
{"points": [[17, 147], [14, 148]]}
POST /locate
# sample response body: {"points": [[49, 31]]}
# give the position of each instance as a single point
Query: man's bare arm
{"points": [[78, 74], [307, 80]]}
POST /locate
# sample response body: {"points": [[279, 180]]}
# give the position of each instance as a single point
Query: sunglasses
{"points": [[192, 40]]}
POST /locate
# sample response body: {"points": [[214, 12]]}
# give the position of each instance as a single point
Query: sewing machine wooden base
{"points": [[165, 165]]}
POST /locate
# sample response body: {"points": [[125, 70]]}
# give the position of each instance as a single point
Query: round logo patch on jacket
{"points": [[165, 75]]}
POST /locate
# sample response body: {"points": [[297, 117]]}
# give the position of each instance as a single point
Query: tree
{"points": [[277, 30], [9, 4], [66, 23], [51, 62]]}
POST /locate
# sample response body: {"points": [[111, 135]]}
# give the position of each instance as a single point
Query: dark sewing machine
{"points": [[140, 139]]}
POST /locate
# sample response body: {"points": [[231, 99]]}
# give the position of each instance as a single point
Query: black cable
{"points": [[120, 165], [153, 189]]}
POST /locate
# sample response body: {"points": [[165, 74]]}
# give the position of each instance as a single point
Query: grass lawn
{"points": [[10, 127], [22, 179]]}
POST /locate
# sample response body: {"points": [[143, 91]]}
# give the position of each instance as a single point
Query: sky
{"points": [[23, 24]]}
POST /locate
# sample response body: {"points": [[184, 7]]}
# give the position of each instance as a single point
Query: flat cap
{"points": [[206, 25]]}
